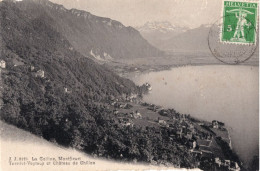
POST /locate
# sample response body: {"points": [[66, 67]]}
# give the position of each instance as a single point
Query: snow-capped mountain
{"points": [[162, 27], [158, 32], [167, 36]]}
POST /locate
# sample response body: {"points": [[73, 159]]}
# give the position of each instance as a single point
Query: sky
{"points": [[190, 13]]}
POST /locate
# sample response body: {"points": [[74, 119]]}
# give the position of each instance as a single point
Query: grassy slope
{"points": [[18, 143]]}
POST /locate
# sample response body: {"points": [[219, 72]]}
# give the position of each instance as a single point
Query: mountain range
{"points": [[161, 26], [158, 32], [98, 37], [166, 36], [191, 40]]}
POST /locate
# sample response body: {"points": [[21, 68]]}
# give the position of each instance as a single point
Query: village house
{"points": [[217, 124], [113, 103], [234, 166], [131, 97], [148, 86], [126, 122], [137, 115], [66, 90], [40, 73], [115, 112], [122, 105], [227, 163], [32, 68], [163, 112], [2, 64], [162, 122], [218, 161], [230, 165], [194, 144], [127, 106], [131, 114], [172, 136]]}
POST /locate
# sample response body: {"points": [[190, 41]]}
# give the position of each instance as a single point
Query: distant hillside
{"points": [[33, 40], [158, 33], [46, 81], [191, 40], [101, 38]]}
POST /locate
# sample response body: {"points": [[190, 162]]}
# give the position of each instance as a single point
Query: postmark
{"points": [[239, 22], [232, 39]]}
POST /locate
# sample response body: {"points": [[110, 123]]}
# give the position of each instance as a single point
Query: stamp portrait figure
{"points": [[241, 23]]}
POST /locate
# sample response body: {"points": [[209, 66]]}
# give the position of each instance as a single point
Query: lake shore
{"points": [[219, 82]]}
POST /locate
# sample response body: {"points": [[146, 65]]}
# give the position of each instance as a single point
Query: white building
{"points": [[215, 124], [194, 144], [162, 122], [32, 68], [137, 115], [2, 64], [39, 73]]}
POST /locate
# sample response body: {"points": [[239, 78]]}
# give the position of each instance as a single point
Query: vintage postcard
{"points": [[108, 85]]}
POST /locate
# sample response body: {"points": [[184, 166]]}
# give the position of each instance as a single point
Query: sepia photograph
{"points": [[129, 85]]}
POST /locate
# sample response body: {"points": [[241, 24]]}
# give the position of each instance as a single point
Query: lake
{"points": [[222, 92]]}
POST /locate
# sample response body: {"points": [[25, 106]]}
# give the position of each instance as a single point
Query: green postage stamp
{"points": [[239, 22]]}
